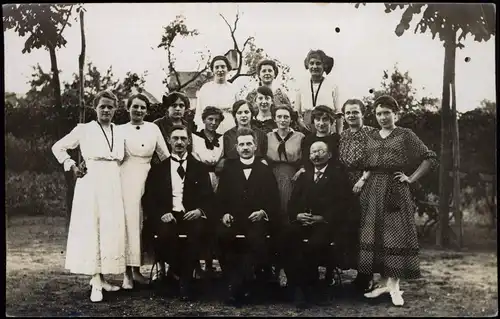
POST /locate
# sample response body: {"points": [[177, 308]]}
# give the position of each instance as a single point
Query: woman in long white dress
{"points": [[142, 140], [318, 90], [96, 238], [219, 93]]}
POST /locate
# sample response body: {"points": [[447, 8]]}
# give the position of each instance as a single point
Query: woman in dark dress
{"points": [[242, 112], [352, 150], [388, 236]]}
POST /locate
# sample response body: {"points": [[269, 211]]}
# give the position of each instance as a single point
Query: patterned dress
{"points": [[388, 237], [284, 158], [352, 149]]}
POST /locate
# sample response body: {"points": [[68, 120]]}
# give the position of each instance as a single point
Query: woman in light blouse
{"points": [[318, 90]]}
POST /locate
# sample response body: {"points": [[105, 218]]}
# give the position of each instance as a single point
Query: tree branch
{"points": [[232, 30], [171, 69], [193, 78], [66, 22]]}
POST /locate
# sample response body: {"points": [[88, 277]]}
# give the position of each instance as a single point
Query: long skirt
{"points": [[134, 172], [283, 172], [96, 238], [388, 236]]}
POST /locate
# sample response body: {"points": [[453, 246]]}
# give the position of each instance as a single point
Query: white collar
{"points": [[178, 158], [320, 170], [247, 161]]}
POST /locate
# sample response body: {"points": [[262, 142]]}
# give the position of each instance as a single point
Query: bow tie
{"points": [[247, 166], [210, 144]]}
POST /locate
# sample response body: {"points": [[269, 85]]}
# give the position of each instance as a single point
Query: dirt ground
{"points": [[453, 284]]}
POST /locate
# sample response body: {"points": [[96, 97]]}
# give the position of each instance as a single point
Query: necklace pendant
{"points": [[137, 127]]}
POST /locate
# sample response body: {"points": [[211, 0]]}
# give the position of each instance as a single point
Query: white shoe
{"points": [[397, 298], [109, 287], [377, 292], [128, 283], [96, 294], [283, 279]]}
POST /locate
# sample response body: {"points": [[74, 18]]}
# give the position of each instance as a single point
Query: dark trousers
{"points": [[240, 257], [302, 259], [182, 254]]}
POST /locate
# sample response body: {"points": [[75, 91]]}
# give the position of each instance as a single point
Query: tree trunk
{"points": [[56, 84], [445, 161], [81, 64], [456, 168]]}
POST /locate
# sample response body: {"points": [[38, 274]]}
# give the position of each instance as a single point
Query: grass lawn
{"points": [[453, 284]]}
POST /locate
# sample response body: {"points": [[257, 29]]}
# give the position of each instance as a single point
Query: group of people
{"points": [[255, 182]]}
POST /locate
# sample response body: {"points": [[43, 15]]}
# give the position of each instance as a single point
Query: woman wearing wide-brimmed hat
{"points": [[219, 93], [318, 90]]}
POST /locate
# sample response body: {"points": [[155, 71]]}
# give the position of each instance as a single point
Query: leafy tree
{"points": [[178, 28], [43, 24], [452, 23]]}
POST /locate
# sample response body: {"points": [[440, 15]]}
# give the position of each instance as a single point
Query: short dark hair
{"points": [[244, 131], [321, 110], [388, 102], [105, 94], [139, 96], [170, 99], [267, 62], [264, 90], [179, 127], [240, 103], [212, 110], [220, 58], [281, 107], [358, 102]]}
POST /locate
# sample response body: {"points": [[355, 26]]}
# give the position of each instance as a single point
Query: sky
{"points": [[126, 36]]}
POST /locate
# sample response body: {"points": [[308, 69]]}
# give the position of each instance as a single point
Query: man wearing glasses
{"points": [[320, 210]]}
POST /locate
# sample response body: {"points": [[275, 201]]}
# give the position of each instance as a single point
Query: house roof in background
{"points": [[192, 87]]}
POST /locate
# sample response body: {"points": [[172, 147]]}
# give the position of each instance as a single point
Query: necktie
{"points": [[318, 175], [180, 170]]}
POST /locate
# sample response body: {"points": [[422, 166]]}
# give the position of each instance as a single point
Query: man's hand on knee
{"points": [[168, 218]]}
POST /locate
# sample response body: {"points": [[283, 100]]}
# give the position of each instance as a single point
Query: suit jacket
{"points": [[158, 200], [241, 197], [331, 197]]}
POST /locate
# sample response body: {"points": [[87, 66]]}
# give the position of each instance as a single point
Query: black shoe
{"points": [[184, 291], [300, 299], [233, 297]]}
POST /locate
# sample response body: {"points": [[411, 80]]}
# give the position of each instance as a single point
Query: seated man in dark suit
{"points": [[322, 209], [177, 200], [248, 200]]}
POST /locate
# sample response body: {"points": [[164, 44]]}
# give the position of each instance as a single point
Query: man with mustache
{"points": [[320, 211], [177, 200], [248, 200]]}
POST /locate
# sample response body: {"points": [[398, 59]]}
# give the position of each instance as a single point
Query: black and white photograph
{"points": [[250, 159]]}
